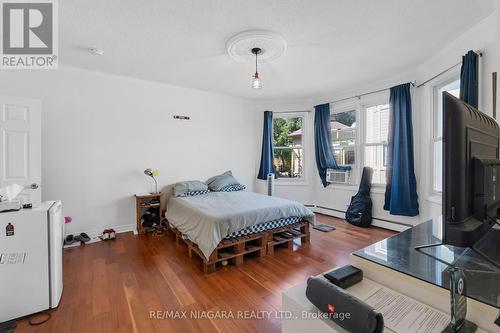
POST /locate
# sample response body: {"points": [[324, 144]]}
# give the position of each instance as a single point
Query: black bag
{"points": [[359, 212]]}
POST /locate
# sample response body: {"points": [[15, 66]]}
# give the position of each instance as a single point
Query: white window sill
{"points": [[343, 187], [376, 188], [435, 198], [290, 183]]}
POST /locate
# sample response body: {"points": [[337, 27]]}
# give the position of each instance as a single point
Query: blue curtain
{"points": [[267, 157], [323, 142], [469, 89], [401, 190]]}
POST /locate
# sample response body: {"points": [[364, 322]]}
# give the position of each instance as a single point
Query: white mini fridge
{"points": [[31, 242]]}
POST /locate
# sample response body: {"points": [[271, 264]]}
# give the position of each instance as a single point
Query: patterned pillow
{"points": [[233, 188], [193, 193]]}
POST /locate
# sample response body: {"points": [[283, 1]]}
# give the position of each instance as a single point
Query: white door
{"points": [[21, 146]]}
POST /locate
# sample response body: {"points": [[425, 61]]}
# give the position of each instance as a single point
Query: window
{"points": [[343, 126], [452, 87], [288, 147], [376, 136]]}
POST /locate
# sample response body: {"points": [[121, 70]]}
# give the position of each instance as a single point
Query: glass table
{"points": [[480, 265]]}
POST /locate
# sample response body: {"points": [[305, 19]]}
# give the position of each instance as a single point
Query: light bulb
{"points": [[256, 82]]}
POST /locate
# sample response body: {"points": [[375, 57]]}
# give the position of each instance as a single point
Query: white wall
{"points": [[101, 131], [480, 37]]}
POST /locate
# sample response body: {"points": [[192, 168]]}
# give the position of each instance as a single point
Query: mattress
{"points": [[209, 218]]}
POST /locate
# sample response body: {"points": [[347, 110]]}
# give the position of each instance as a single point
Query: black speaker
{"points": [[344, 309]]}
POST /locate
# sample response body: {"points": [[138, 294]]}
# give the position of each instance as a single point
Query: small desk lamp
{"points": [[152, 173]]}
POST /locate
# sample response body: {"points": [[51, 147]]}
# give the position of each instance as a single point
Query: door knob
{"points": [[34, 186]]}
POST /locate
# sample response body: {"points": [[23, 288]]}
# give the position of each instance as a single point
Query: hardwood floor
{"points": [[114, 286]]}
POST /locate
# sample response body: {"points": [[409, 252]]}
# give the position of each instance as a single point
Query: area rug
{"points": [[323, 227]]}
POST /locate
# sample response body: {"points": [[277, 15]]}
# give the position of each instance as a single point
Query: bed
{"points": [[217, 218]]}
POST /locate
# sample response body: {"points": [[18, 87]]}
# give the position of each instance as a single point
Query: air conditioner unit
{"points": [[338, 176]]}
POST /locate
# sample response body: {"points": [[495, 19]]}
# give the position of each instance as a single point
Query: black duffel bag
{"points": [[359, 212]]}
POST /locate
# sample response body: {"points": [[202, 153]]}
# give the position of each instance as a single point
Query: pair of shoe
{"points": [[71, 239], [108, 234]]}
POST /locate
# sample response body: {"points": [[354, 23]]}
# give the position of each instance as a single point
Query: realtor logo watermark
{"points": [[29, 36]]}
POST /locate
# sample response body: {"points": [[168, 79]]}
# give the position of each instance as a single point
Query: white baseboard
{"points": [[321, 210], [118, 229], [375, 222], [389, 225]]}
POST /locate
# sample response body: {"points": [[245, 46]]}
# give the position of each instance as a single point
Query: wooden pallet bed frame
{"points": [[261, 244]]}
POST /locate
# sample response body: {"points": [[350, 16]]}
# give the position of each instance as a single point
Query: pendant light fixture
{"points": [[256, 82], [264, 45]]}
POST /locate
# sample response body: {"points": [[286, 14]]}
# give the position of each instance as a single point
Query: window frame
{"points": [[336, 108], [360, 104], [376, 99], [452, 76], [303, 115]]}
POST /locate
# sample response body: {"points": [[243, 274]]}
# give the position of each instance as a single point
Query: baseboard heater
{"points": [[375, 218]]}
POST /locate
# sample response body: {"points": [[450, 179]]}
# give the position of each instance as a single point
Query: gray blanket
{"points": [[208, 218]]}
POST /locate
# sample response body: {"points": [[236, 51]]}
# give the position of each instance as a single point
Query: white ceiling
{"points": [[332, 44]]}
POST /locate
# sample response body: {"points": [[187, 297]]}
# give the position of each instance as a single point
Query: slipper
{"points": [[77, 238], [112, 234], [105, 235], [70, 239], [84, 237]]}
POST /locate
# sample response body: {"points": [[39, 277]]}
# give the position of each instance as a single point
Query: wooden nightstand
{"points": [[144, 202]]}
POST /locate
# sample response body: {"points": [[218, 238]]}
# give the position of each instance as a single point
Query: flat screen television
{"points": [[471, 190]]}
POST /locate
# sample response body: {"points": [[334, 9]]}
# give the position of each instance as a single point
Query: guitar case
{"points": [[359, 212]]}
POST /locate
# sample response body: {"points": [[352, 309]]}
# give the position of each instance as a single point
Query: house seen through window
{"points": [[288, 149], [343, 126]]}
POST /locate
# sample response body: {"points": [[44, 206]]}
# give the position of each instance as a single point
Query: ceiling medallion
{"points": [[240, 46]]}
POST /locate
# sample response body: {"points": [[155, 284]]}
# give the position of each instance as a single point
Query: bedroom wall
{"points": [[481, 37], [336, 197], [101, 131]]}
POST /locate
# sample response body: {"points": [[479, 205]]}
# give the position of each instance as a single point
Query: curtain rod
{"points": [[438, 75], [292, 111], [479, 52], [364, 94], [414, 84]]}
